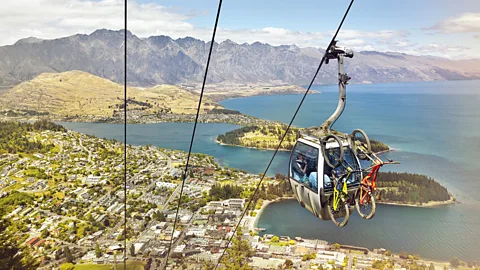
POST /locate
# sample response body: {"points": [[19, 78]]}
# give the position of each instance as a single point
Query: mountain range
{"points": [[163, 60]]}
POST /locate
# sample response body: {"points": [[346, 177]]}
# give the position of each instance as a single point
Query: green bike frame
{"points": [[337, 194]]}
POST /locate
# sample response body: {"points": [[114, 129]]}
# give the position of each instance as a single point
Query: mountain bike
{"points": [[365, 195], [339, 201]]}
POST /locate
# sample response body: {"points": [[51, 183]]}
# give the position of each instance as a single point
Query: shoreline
{"points": [[429, 204], [253, 222]]}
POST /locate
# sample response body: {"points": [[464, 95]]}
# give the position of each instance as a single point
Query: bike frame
{"points": [[337, 194], [368, 182]]}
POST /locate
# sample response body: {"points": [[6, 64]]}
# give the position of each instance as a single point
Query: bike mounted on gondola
{"points": [[325, 168]]}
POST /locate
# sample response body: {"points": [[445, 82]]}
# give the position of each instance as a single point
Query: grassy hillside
{"points": [[80, 93]]}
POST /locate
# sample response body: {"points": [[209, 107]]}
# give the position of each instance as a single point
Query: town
{"points": [[69, 205]]}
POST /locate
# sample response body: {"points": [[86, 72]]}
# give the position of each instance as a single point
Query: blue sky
{"points": [[408, 20], [441, 28]]}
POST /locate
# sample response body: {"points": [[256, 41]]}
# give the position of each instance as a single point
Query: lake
{"points": [[434, 127]]}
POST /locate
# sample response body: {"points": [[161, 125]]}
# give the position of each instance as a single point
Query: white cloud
{"points": [[48, 19], [465, 23], [273, 36]]}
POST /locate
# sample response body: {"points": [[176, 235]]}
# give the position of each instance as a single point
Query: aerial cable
{"points": [[286, 132], [184, 175], [125, 145]]}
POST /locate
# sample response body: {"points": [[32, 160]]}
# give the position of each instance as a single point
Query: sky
{"points": [[422, 27]]}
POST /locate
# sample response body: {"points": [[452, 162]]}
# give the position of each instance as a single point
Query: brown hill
{"points": [[79, 93]]}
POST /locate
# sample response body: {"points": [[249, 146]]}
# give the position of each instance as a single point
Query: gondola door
{"points": [[305, 176]]}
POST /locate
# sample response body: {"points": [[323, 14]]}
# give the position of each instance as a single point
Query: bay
{"points": [[434, 127]]}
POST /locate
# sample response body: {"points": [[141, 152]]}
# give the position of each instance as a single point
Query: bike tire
{"points": [[344, 212], [360, 154], [324, 151], [359, 205]]}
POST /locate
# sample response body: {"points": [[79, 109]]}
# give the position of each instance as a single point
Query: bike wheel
{"points": [[339, 159], [341, 215], [365, 204], [361, 146]]}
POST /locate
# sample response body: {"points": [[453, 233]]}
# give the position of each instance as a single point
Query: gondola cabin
{"points": [[310, 175]]}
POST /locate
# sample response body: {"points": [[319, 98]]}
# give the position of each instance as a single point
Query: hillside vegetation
{"points": [[77, 93], [410, 188], [263, 137], [13, 137]]}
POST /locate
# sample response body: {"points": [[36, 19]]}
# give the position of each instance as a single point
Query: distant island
{"points": [[268, 137]]}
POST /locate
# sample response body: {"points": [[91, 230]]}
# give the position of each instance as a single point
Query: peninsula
{"points": [[77, 96]]}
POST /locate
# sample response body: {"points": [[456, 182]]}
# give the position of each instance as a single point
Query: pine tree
{"points": [[68, 254], [98, 252], [132, 250]]}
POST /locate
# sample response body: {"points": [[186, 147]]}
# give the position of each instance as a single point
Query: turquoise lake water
{"points": [[434, 127]]}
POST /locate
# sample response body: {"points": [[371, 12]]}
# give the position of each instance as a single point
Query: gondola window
{"points": [[304, 162]]}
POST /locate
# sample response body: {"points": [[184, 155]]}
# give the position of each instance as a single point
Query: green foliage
{"points": [[132, 250], [12, 256], [310, 256], [378, 146], [222, 111], [68, 254], [235, 137], [13, 136], [67, 266], [13, 200], [237, 256], [98, 251], [410, 188], [223, 192], [275, 239], [159, 216]]}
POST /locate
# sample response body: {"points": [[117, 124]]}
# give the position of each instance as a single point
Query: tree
{"points": [[44, 234], [431, 267], [106, 222], [288, 264], [132, 250], [236, 257], [11, 255], [336, 245], [68, 254], [275, 239], [159, 216], [208, 266], [98, 251], [454, 262]]}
